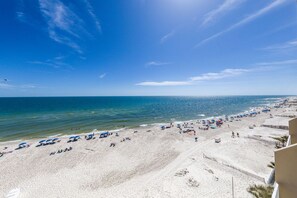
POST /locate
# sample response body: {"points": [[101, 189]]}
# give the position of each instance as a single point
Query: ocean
{"points": [[37, 117]]}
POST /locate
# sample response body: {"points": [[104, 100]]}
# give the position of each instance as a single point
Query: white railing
{"points": [[275, 193], [289, 141]]}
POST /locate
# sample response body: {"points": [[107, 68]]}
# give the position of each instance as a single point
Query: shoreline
{"points": [[149, 163], [63, 135]]}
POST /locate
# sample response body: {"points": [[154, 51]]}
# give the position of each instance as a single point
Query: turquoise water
{"points": [[44, 116]]}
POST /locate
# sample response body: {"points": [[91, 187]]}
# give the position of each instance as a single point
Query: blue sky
{"points": [[148, 47]]}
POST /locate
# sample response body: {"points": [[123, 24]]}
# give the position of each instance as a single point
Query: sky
{"points": [[148, 47]]}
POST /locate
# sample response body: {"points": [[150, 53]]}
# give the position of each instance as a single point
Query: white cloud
{"points": [[102, 75], [93, 15], [27, 86], [11, 86], [164, 83], [167, 36], [20, 11], [222, 9], [285, 62], [283, 46], [55, 63], [6, 86], [61, 21], [226, 73], [64, 25], [219, 75], [247, 19], [156, 63]]}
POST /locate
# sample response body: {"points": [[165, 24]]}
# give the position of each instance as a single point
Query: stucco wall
{"points": [[293, 131], [286, 171]]}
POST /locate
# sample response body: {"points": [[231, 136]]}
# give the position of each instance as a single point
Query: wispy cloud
{"points": [[280, 28], [284, 62], [246, 20], [222, 9], [56, 62], [93, 15], [164, 83], [283, 46], [102, 75], [12, 86], [167, 36], [63, 23], [156, 63], [5, 86], [226, 73], [20, 11]]}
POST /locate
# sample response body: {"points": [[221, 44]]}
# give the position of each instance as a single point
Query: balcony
{"points": [[285, 166]]}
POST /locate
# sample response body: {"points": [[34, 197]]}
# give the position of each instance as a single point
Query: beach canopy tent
{"points": [[89, 136], [104, 135], [73, 138], [49, 141], [41, 143], [23, 145], [52, 141]]}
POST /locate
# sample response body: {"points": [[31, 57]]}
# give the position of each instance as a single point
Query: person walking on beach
{"points": [[233, 134], [196, 139], [237, 134]]}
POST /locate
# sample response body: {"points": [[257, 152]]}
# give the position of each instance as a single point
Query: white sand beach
{"points": [[153, 163]]}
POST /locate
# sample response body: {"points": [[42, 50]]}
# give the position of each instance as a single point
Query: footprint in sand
{"points": [[182, 173], [191, 182]]}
